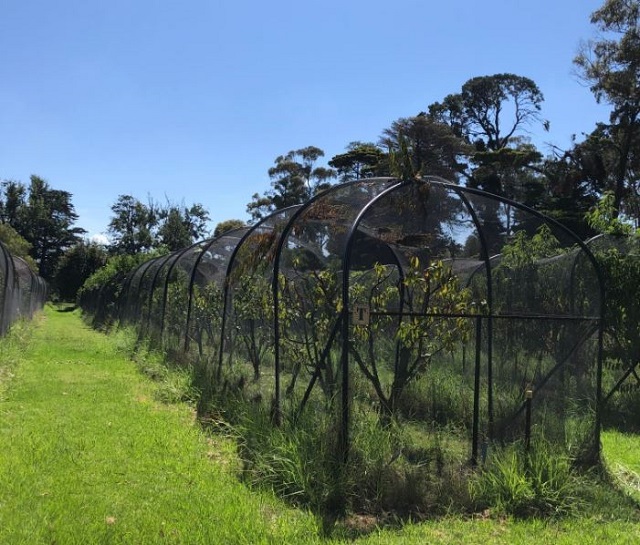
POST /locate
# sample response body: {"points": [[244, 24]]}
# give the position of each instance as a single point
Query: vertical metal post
{"points": [[528, 396], [277, 408], [599, 400], [490, 375], [476, 395], [343, 441]]}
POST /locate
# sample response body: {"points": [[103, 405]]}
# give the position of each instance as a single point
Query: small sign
{"points": [[360, 315]]}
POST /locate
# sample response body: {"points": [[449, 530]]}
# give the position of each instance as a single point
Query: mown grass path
{"points": [[87, 456]]}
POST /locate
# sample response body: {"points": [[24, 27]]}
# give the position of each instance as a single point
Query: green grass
{"points": [[11, 352], [89, 455], [622, 453]]}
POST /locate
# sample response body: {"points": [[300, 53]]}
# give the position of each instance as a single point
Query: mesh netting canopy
{"points": [[619, 258], [22, 292], [426, 302]]}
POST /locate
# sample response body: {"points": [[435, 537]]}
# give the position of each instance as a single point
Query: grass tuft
{"points": [[540, 482]]}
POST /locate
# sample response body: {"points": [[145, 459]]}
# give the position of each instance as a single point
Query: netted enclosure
{"points": [[619, 259], [22, 292], [464, 320]]}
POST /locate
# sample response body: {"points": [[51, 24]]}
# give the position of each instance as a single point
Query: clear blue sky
{"points": [[192, 100]]}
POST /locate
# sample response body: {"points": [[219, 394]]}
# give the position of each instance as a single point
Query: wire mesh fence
{"points": [[470, 320], [619, 258], [22, 292]]}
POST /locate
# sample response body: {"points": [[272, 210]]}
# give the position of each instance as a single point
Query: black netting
{"points": [[22, 292], [619, 258], [470, 320]]}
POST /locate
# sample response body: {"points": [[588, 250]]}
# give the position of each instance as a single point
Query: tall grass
{"points": [[539, 481], [12, 351], [89, 456]]}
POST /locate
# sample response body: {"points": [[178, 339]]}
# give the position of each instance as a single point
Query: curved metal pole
{"points": [[227, 278], [124, 300], [599, 275], [139, 317], [194, 270], [487, 263], [276, 271], [142, 269], [346, 267], [192, 279], [165, 293], [162, 261]]}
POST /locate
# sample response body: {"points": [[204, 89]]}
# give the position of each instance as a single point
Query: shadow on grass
{"points": [[66, 307]]}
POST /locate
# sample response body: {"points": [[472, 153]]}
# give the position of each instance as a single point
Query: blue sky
{"points": [[193, 100]]}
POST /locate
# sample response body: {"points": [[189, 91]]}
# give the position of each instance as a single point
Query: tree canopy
{"points": [[361, 160], [294, 179], [17, 245], [490, 110], [132, 225], [44, 217], [76, 266], [227, 225], [136, 227], [180, 226], [610, 65], [478, 135]]}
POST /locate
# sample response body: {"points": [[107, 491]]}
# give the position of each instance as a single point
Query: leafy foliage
{"points": [[294, 180], [491, 109], [430, 146], [432, 322], [76, 266], [132, 225], [180, 226], [618, 255], [611, 67], [137, 227], [361, 160], [227, 225], [44, 217], [16, 244], [100, 292]]}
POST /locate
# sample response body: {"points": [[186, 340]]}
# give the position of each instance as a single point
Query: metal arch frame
{"points": [[14, 296], [13, 292], [476, 394], [124, 301], [225, 294], [346, 264], [460, 190], [162, 260], [343, 441], [165, 294], [631, 369], [192, 278], [18, 299], [142, 269], [596, 268], [33, 294], [23, 276], [30, 304], [232, 259], [276, 272], [125, 295]]}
